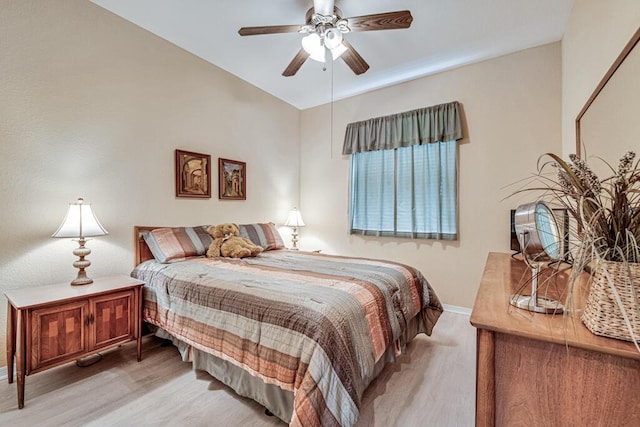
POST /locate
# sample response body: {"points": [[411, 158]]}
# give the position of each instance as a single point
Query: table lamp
{"points": [[79, 223], [294, 221]]}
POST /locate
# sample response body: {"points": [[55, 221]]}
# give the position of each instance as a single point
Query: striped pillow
{"points": [[178, 243], [265, 235]]}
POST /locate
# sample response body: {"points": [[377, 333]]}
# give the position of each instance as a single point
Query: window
{"points": [[405, 192], [404, 173]]}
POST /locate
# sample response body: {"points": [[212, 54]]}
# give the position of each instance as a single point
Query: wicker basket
{"points": [[602, 315]]}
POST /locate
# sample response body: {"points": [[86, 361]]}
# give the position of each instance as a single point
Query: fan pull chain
{"points": [[331, 112]]}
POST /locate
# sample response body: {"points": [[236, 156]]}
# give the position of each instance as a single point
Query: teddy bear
{"points": [[228, 243]]}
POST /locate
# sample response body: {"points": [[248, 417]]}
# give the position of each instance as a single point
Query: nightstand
{"points": [[51, 325]]}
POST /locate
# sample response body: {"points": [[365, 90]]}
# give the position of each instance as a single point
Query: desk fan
{"points": [[540, 243]]}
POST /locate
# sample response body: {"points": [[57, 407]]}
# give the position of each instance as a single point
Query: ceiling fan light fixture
{"points": [[324, 25], [343, 25], [312, 44], [306, 29], [332, 38]]}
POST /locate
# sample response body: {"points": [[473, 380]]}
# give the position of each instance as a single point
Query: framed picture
{"points": [[232, 180], [193, 174]]}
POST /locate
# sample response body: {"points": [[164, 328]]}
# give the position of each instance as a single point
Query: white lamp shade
{"points": [[79, 222], [313, 46], [337, 51], [294, 219], [332, 38]]}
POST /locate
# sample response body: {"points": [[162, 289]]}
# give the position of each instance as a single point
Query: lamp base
{"points": [[294, 239], [81, 251], [82, 279]]}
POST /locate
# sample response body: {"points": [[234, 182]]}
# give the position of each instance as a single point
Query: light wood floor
{"points": [[432, 385]]}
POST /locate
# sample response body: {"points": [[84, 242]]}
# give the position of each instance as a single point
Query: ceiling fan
{"points": [[324, 29]]}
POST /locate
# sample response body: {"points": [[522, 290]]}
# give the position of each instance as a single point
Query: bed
{"points": [[301, 333]]}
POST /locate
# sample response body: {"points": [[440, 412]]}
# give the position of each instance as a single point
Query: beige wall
{"points": [[512, 106], [596, 33], [93, 106]]}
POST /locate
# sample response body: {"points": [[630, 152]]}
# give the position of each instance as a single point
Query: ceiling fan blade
{"points": [[353, 59], [270, 29], [323, 7], [295, 63], [381, 21]]}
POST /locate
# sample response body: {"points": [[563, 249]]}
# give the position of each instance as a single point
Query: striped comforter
{"points": [[312, 324]]}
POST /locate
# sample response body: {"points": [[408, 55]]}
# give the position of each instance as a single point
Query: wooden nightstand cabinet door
{"points": [[57, 334], [114, 319]]}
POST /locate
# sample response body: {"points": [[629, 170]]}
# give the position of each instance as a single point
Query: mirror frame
{"points": [[612, 70]]}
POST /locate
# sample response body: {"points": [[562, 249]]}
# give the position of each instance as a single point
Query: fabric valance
{"points": [[432, 124]]}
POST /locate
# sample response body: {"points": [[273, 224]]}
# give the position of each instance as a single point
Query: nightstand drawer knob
{"points": [[89, 320]]}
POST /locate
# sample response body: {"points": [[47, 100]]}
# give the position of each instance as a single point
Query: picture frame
{"points": [[193, 174], [232, 179]]}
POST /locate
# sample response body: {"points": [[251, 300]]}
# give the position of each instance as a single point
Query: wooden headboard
{"points": [[142, 251]]}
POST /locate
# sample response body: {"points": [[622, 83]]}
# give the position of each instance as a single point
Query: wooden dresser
{"points": [[547, 370]]}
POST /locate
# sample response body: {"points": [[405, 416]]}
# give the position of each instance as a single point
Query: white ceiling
{"points": [[444, 34]]}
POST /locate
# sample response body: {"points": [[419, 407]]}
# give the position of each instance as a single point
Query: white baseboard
{"points": [[3, 373], [456, 309]]}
